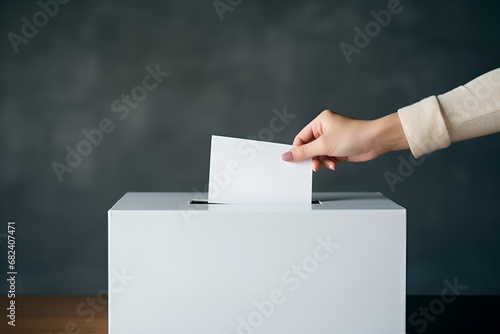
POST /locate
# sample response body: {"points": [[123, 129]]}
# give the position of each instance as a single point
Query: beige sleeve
{"points": [[468, 111]]}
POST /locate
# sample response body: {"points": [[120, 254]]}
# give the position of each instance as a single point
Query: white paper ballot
{"points": [[250, 171]]}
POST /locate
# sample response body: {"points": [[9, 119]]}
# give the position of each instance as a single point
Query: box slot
{"points": [[204, 201]]}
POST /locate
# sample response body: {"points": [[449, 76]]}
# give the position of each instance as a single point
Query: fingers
{"points": [[309, 133], [309, 143], [305, 136], [329, 162], [316, 164], [303, 152]]}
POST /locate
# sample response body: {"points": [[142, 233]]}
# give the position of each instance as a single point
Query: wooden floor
{"points": [[77, 314], [56, 314]]}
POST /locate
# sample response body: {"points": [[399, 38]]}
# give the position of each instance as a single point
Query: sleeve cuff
{"points": [[424, 126]]}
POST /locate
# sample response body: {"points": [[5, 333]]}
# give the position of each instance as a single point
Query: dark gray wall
{"points": [[225, 78]]}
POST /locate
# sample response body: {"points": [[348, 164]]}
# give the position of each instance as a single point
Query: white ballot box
{"points": [[337, 265]]}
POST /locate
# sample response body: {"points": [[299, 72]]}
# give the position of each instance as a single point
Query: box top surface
{"points": [[176, 201]]}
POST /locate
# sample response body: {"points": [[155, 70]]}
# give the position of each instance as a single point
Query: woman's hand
{"points": [[331, 138]]}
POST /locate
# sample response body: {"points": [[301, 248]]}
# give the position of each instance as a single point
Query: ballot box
{"points": [[178, 264]]}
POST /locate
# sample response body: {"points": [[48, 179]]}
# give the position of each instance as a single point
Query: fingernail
{"points": [[287, 156], [314, 170], [331, 167]]}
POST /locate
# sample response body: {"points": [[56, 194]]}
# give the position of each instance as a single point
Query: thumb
{"points": [[303, 152]]}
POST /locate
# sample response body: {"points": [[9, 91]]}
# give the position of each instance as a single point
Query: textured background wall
{"points": [[225, 78]]}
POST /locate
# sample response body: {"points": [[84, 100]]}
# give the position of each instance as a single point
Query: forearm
{"points": [[468, 111], [473, 110]]}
